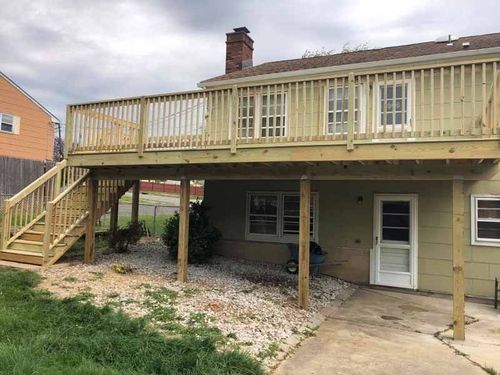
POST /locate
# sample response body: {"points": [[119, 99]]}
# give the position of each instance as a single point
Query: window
{"points": [[262, 115], [274, 216], [273, 115], [6, 123], [247, 117], [394, 105], [263, 214], [485, 222], [338, 109]]}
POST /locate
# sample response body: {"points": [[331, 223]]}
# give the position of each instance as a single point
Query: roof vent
{"points": [[448, 39]]}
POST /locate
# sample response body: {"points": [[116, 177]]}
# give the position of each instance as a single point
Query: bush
{"points": [[202, 234], [124, 237]]}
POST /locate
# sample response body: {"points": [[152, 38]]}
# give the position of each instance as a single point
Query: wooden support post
{"points": [[134, 219], [47, 233], [113, 223], [350, 113], [458, 261], [234, 118], [68, 131], [5, 221], [182, 251], [89, 255], [304, 234]]}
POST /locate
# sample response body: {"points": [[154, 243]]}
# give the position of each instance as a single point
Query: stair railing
{"points": [[70, 209], [29, 205], [64, 213]]}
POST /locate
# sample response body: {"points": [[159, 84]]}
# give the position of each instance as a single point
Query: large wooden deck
{"points": [[447, 111]]}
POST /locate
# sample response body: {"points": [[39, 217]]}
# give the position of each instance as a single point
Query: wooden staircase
{"points": [[46, 218]]}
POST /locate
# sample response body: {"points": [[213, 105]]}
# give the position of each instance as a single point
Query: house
{"points": [[388, 158], [26, 138]]}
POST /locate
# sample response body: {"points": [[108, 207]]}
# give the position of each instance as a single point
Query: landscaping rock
{"points": [[252, 303]]}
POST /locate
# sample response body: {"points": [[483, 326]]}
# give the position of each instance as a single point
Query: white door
{"points": [[395, 241]]}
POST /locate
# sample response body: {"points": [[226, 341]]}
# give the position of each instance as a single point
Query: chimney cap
{"points": [[242, 29]]}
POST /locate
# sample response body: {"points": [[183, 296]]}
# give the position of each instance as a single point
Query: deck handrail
{"points": [[421, 102]]}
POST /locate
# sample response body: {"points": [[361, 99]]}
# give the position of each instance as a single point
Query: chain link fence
{"points": [[153, 216]]}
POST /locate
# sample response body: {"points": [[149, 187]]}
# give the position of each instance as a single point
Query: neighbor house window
{"points": [[394, 105], [485, 223], [6, 123], [338, 109], [274, 216], [273, 115]]}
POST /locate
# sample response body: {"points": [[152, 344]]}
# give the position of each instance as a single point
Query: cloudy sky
{"points": [[66, 51]]}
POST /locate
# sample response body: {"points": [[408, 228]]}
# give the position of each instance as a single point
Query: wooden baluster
{"points": [[304, 110], [142, 125], [422, 103], [297, 126], [234, 119], [326, 108], [441, 102], [494, 103], [473, 98], [452, 100], [483, 97], [462, 100], [404, 104], [311, 113], [350, 113], [432, 101]]}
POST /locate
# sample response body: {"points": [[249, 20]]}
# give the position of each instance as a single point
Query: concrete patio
{"points": [[386, 332]]}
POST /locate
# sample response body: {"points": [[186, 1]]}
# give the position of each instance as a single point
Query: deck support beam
{"points": [[182, 251], [89, 255], [134, 219], [458, 260], [304, 234]]}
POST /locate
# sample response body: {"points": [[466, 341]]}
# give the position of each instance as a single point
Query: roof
{"points": [[365, 56], [54, 119]]}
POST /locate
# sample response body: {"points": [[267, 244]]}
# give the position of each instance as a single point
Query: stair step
{"points": [[32, 235], [22, 252], [30, 246], [21, 257]]}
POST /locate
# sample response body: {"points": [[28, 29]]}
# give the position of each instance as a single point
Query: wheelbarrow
{"points": [[316, 258]]}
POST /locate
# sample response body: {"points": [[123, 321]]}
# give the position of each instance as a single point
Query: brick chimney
{"points": [[239, 50]]}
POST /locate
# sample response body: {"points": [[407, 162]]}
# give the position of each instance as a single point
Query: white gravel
{"points": [[254, 302]]}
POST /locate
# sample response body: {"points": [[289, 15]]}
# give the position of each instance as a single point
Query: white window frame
{"points": [[15, 123], [280, 236], [361, 104], [254, 117], [475, 240], [409, 113], [258, 116]]}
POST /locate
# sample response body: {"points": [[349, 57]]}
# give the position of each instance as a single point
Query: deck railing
{"points": [[29, 205], [453, 101]]}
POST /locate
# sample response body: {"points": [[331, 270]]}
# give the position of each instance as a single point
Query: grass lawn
{"points": [[43, 335]]}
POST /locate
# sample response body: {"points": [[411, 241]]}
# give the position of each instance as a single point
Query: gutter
{"points": [[351, 67]]}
